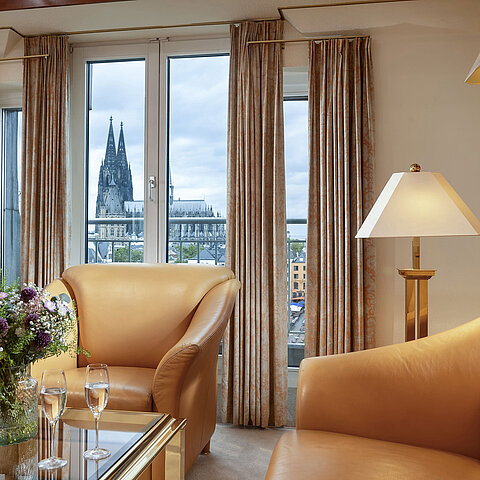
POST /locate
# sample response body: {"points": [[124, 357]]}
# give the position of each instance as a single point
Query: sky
{"points": [[197, 133]]}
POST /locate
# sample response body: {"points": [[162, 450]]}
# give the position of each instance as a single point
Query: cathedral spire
{"points": [[110, 152], [121, 152]]}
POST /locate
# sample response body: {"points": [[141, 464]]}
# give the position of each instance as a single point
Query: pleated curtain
{"points": [[340, 294], [45, 230], [255, 343]]}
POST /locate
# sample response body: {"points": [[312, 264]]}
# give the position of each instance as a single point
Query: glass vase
{"points": [[18, 405]]}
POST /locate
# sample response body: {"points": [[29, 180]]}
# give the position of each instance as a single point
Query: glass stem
{"points": [[96, 431], [52, 439]]}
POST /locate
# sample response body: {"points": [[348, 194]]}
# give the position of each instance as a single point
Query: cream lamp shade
{"points": [[419, 204], [473, 76]]}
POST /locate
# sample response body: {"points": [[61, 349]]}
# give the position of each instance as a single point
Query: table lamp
{"points": [[418, 204], [473, 76]]}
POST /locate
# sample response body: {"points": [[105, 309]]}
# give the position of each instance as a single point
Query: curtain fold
{"points": [[340, 295], [254, 388], [45, 229]]}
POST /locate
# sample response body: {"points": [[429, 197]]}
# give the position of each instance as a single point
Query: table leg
{"points": [[175, 457]]}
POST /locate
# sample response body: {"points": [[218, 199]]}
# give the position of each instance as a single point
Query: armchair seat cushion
{"points": [[314, 454], [130, 388]]}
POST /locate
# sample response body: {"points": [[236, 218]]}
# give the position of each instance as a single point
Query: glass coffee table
{"points": [[133, 438]]}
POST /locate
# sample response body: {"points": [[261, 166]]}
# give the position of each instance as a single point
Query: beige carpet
{"points": [[236, 454]]}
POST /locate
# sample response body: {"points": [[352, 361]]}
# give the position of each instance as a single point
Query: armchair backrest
{"points": [[132, 314]]}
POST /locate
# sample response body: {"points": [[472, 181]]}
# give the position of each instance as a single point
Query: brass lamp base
{"points": [[416, 301]]}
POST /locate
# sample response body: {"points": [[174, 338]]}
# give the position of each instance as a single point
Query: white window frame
{"points": [[94, 53], [178, 48], [156, 53]]}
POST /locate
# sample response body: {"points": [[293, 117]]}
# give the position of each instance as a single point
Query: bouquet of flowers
{"points": [[33, 325]]}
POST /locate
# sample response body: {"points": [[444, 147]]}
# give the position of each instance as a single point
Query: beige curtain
{"points": [[340, 297], [255, 343], [44, 204]]}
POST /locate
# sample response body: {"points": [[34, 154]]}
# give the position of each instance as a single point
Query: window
{"points": [[11, 154], [296, 163], [115, 161], [197, 158]]}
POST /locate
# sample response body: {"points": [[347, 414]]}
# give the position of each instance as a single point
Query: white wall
{"points": [[426, 114], [11, 73]]}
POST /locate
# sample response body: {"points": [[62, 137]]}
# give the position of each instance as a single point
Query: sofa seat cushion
{"points": [[313, 454], [130, 388]]}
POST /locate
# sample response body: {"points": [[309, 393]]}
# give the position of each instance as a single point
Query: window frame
{"points": [[155, 52], [179, 49], [78, 180], [4, 109]]}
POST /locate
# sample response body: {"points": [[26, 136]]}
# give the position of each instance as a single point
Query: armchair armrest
{"points": [[207, 326], [185, 381], [425, 392]]}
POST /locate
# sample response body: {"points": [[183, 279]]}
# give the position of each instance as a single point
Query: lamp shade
{"points": [[473, 76], [419, 204]]}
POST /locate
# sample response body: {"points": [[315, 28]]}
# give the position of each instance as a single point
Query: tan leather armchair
{"points": [[158, 327], [407, 411]]}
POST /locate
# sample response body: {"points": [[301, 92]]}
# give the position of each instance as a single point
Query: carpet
{"points": [[237, 453]]}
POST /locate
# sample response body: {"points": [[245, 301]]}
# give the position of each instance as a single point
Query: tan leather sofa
{"points": [[407, 411], [158, 327]]}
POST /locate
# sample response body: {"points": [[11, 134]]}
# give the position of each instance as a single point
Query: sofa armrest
{"points": [[425, 392]]}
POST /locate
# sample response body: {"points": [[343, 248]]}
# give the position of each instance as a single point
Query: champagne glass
{"points": [[53, 395], [96, 394]]}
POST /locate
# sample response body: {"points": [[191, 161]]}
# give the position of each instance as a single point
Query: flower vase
{"points": [[18, 405]]}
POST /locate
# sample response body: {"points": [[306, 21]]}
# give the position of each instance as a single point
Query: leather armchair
{"points": [[158, 327], [405, 411]]}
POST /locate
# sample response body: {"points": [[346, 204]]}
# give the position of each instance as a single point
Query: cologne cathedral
{"points": [[115, 190]]}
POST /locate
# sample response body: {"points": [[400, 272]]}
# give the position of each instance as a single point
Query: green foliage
{"points": [[297, 248], [121, 255]]}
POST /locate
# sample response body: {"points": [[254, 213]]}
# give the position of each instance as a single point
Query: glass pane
{"points": [[197, 158], [296, 164], [12, 161], [115, 126]]}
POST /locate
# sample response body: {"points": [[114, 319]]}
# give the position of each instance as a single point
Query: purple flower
{"points": [[42, 339], [3, 295], [27, 294], [49, 305], [30, 319], [3, 327]]}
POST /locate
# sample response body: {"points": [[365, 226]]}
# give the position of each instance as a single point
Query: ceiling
{"points": [[327, 17]]}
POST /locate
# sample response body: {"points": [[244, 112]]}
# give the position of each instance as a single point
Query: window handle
{"points": [[152, 183]]}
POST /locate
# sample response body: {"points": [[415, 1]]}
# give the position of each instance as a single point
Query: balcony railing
{"points": [[189, 245]]}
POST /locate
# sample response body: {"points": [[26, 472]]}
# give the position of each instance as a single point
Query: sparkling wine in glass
{"points": [[53, 395], [96, 394]]}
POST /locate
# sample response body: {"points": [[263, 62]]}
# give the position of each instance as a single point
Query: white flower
{"points": [[1, 349], [19, 331], [62, 309]]}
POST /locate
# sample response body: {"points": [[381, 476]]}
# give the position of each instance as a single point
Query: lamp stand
{"points": [[416, 295]]}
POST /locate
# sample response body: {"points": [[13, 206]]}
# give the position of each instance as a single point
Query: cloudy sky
{"points": [[198, 141]]}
